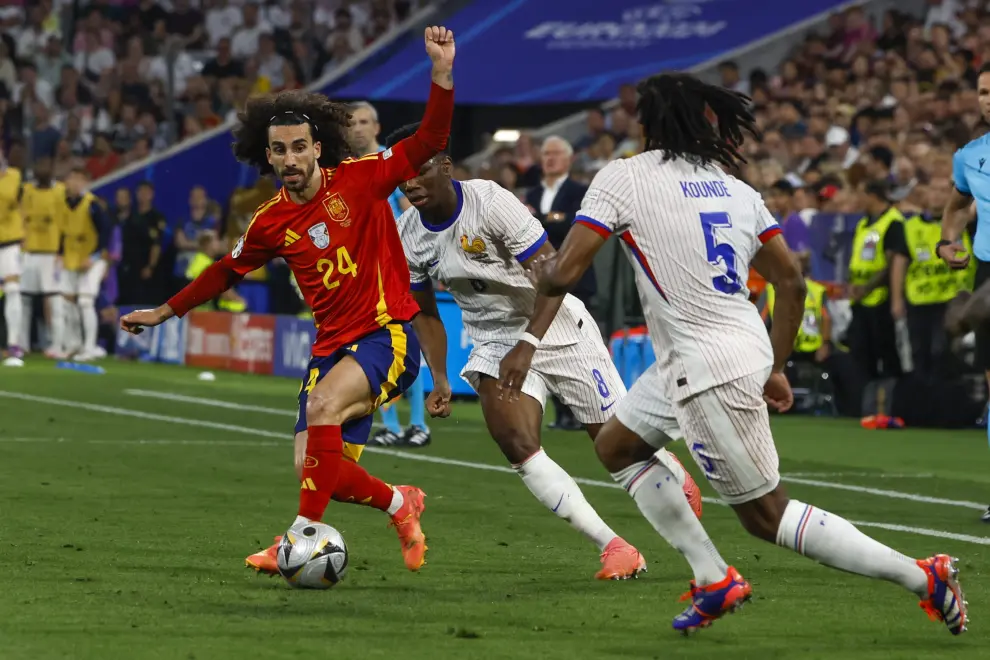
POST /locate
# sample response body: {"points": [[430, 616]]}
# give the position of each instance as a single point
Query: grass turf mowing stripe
{"points": [[796, 478], [124, 412]]}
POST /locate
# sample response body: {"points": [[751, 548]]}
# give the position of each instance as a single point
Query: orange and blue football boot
{"points": [[712, 602], [945, 601]]}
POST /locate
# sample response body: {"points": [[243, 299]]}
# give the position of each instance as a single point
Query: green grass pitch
{"points": [[125, 517]]}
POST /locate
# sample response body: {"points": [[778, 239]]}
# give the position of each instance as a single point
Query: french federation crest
{"points": [[320, 235], [337, 209]]}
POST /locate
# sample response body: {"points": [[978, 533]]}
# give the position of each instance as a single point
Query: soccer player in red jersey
{"points": [[332, 224]]}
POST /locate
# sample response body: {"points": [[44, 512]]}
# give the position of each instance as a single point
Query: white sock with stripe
{"points": [[659, 495], [834, 541], [557, 491]]}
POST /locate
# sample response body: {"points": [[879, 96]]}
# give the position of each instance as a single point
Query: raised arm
{"points": [[403, 161]]}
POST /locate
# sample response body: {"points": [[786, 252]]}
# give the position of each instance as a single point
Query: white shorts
{"points": [[582, 375], [727, 429], [647, 412], [10, 261], [40, 273], [85, 283]]}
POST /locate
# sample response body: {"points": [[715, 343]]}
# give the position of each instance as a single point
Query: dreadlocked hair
{"points": [[328, 121], [687, 118]]}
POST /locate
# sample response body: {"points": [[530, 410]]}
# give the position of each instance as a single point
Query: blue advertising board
{"points": [[459, 347], [165, 343], [294, 339], [550, 51]]}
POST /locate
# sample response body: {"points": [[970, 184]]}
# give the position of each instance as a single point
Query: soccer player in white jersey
{"points": [[475, 237], [691, 232]]}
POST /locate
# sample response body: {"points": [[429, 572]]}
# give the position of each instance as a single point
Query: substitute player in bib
{"points": [[44, 208], [691, 232], [476, 238], [11, 236], [84, 265], [332, 225]]}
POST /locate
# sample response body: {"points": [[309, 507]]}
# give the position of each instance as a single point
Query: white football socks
{"points": [[397, 502], [58, 321], [560, 493], [831, 540], [72, 330], [90, 324], [660, 497], [13, 312]]}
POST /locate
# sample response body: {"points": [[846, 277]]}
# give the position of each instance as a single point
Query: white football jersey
{"points": [[690, 233], [478, 256]]}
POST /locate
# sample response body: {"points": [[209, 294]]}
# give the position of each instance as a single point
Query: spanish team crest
{"points": [[320, 235], [337, 209], [477, 246]]}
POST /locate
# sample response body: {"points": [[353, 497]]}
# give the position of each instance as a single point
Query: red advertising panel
{"points": [[209, 340], [252, 343]]}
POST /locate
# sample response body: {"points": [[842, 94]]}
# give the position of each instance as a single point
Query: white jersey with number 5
{"points": [[690, 233]]}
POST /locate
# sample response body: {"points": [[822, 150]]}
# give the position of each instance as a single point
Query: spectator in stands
{"points": [[186, 22], [728, 72], [44, 136], [595, 128], [781, 201], [222, 20], [103, 159], [201, 219], [223, 65], [271, 65], [555, 203], [245, 40]]}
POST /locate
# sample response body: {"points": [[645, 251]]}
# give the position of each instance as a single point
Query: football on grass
{"points": [[312, 556]]}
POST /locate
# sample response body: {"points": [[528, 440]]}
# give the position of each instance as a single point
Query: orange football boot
{"points": [[265, 561], [406, 523], [620, 561], [691, 490]]}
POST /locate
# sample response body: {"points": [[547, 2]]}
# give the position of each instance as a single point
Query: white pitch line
{"points": [[215, 403], [124, 412], [797, 477], [894, 494], [871, 475]]}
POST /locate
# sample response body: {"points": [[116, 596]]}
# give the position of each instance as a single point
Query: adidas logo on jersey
{"points": [[290, 237]]}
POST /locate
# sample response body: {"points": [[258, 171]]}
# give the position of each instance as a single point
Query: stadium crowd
{"points": [[860, 119]]}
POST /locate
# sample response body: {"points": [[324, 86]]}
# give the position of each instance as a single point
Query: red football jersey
{"points": [[342, 246]]}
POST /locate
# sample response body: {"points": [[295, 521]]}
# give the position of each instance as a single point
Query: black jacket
{"points": [[567, 201]]}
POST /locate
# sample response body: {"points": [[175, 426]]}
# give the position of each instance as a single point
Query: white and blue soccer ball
{"points": [[312, 556]]}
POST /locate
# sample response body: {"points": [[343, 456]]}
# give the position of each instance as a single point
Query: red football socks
{"points": [[357, 486], [321, 470]]}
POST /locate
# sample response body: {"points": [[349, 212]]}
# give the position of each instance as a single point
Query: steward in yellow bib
{"points": [[813, 341], [209, 250], [921, 283], [871, 338]]}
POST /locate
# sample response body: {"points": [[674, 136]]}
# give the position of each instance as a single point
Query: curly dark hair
{"points": [[328, 121], [673, 109]]}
